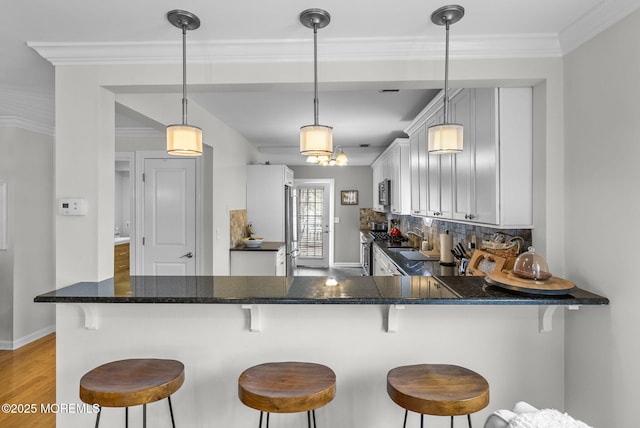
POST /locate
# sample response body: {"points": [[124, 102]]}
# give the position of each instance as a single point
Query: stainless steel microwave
{"points": [[384, 192]]}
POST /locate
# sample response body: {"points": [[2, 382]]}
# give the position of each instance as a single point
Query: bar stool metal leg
{"points": [[404, 425], [98, 416], [469, 420], [173, 422], [421, 420], [144, 415], [126, 417]]}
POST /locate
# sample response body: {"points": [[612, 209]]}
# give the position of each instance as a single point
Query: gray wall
{"points": [[602, 93], [27, 266], [346, 233]]}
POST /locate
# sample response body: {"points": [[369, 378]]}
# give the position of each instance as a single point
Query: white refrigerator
{"points": [[271, 207]]}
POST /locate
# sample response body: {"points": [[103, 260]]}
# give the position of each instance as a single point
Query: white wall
{"points": [[347, 232], [7, 138], [602, 87], [27, 266], [213, 341], [224, 171]]}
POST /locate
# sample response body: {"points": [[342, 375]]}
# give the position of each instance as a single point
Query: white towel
{"points": [[546, 418]]}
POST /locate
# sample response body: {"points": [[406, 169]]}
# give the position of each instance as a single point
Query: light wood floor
{"points": [[28, 377]]}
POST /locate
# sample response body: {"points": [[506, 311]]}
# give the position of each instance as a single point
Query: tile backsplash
{"points": [[463, 233], [238, 226], [368, 215]]}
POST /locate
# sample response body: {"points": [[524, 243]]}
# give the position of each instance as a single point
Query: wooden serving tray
{"points": [[506, 279], [483, 263]]}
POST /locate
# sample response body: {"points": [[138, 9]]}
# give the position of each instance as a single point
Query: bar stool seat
{"points": [[132, 382], [438, 389], [287, 387]]}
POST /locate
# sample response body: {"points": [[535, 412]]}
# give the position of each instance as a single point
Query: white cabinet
{"points": [[256, 262], [431, 175], [491, 181], [382, 266], [418, 171], [378, 176], [266, 200], [394, 165]]}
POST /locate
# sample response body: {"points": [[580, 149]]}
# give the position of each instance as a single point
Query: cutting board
{"points": [[431, 254], [483, 263]]}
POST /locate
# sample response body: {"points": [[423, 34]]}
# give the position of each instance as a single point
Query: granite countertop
{"points": [[265, 246], [414, 267], [306, 290]]}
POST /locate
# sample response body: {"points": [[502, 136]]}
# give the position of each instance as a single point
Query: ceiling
{"points": [[84, 32]]}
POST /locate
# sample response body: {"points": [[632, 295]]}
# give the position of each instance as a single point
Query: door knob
{"points": [[188, 255]]}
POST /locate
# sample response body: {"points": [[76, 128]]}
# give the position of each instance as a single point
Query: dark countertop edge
{"points": [[325, 301], [265, 246]]}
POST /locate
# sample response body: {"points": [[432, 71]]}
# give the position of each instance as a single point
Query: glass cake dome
{"points": [[530, 265]]}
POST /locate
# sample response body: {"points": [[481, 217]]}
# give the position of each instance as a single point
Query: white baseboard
{"points": [[346, 265], [8, 345]]}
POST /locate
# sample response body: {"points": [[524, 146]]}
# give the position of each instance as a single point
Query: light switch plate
{"points": [[72, 206]]}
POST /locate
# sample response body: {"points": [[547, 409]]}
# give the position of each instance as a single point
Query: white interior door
{"points": [[169, 237], [313, 214]]}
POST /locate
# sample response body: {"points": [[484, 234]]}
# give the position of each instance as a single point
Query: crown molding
{"points": [[289, 50], [26, 124], [137, 132], [604, 15], [22, 108]]}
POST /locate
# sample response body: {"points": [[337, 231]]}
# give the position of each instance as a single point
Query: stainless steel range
{"points": [[366, 241], [384, 236]]}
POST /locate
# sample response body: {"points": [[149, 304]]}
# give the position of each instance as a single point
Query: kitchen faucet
{"points": [[419, 235]]}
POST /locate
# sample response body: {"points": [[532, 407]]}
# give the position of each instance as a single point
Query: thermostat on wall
{"points": [[72, 206]]}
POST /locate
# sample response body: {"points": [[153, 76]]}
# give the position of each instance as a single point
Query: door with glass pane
{"points": [[313, 224]]}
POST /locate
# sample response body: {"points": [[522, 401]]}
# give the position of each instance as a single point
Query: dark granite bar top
{"points": [[265, 246], [400, 290]]}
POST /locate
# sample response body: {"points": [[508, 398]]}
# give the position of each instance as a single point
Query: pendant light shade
{"points": [[184, 139], [316, 139], [447, 137]]}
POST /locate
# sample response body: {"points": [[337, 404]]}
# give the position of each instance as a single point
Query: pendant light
{"points": [[183, 139], [316, 140], [447, 137]]}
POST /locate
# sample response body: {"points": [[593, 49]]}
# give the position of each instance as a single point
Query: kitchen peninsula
{"points": [[361, 328]]}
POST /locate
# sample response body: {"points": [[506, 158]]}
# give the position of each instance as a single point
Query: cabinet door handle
{"points": [[188, 255]]}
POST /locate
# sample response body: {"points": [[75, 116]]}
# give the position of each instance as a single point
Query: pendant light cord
{"points": [[184, 74], [315, 74], [446, 75]]}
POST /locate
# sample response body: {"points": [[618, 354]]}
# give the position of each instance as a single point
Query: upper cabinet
{"points": [[491, 180], [393, 165]]}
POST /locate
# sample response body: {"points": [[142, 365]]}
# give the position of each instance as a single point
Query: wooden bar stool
{"points": [[437, 389], [127, 383], [287, 387]]}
